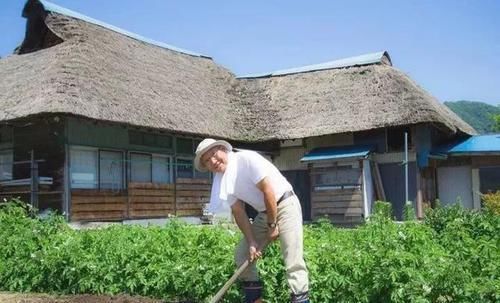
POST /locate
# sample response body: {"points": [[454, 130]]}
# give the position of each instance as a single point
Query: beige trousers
{"points": [[291, 240]]}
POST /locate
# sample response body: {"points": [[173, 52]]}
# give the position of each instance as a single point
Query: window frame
{"points": [[170, 167], [83, 148], [10, 151], [177, 166], [123, 181], [98, 165], [152, 155]]}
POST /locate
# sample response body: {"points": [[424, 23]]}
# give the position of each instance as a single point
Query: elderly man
{"points": [[247, 177]]}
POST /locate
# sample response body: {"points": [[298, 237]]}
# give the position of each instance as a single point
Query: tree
{"points": [[496, 126]]}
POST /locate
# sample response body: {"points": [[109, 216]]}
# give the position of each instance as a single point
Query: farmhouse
{"points": [[101, 124]]}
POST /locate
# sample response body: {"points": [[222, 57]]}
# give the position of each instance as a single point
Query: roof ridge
{"points": [[365, 59], [48, 6]]}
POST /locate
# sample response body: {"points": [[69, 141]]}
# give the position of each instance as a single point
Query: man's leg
{"points": [[291, 240]]}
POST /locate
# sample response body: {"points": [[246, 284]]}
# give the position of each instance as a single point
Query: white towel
{"points": [[223, 186]]}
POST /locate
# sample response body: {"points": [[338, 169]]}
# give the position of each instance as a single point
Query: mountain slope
{"points": [[478, 114]]}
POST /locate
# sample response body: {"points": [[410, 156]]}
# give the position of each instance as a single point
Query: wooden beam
{"points": [[420, 208], [379, 186]]}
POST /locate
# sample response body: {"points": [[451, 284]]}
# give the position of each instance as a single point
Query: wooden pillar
{"points": [[420, 208], [34, 180], [476, 190]]}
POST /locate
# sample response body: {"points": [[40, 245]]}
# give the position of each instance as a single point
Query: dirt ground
{"points": [[43, 298]]}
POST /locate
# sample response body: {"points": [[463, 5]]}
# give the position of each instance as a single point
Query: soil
{"points": [[43, 298]]}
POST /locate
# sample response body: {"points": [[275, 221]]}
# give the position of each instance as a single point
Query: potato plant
{"points": [[453, 256]]}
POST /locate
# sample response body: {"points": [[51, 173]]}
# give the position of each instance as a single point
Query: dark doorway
{"points": [[301, 183], [489, 179], [393, 179]]}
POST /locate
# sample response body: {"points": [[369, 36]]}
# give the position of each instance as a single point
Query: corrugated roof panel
{"points": [[67, 12], [481, 144], [337, 153], [341, 63]]}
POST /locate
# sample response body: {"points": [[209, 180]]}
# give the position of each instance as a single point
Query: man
{"points": [[247, 177]]}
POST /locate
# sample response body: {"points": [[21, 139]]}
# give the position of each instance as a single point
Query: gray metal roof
{"points": [[346, 62], [64, 11]]}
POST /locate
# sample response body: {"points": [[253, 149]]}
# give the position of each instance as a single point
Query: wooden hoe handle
{"points": [[218, 296]]}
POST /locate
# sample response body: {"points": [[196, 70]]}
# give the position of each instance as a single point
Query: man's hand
{"points": [[254, 252], [273, 233]]}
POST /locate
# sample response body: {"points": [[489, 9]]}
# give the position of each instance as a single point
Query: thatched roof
{"points": [[343, 100], [83, 67]]}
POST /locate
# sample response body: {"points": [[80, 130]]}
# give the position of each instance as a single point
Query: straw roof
{"points": [[343, 100], [85, 68]]}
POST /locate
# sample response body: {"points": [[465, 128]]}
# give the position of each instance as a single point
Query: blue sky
{"points": [[449, 47]]}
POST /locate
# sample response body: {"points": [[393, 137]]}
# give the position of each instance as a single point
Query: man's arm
{"points": [[240, 215], [271, 206], [241, 218], [269, 200]]}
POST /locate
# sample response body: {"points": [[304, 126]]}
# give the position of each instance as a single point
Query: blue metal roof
{"points": [[51, 7], [346, 62], [337, 153], [481, 144]]}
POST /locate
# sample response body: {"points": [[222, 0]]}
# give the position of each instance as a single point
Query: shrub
{"points": [[409, 212], [491, 202], [383, 209]]}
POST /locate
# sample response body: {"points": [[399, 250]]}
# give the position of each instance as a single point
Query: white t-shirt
{"points": [[244, 170]]}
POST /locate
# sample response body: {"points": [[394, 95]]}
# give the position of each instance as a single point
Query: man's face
{"points": [[215, 159]]}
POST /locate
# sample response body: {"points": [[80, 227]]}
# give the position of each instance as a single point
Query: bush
{"points": [[452, 257], [383, 209], [409, 212], [491, 202]]}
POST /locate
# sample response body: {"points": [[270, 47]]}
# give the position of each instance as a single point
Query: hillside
{"points": [[477, 114]]}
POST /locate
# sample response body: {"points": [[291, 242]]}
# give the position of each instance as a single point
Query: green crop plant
{"points": [[452, 256]]}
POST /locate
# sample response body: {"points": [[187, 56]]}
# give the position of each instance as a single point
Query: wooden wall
{"points": [[191, 195], [95, 205], [341, 206], [148, 200], [337, 193], [186, 197]]}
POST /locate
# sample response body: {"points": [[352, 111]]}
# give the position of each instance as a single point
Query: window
{"points": [[149, 139], [91, 168], [6, 159], [111, 170], [140, 167], [200, 175], [83, 167], [161, 169], [147, 168], [340, 177], [184, 168], [185, 146]]}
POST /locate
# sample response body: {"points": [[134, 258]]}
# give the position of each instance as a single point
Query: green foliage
{"points": [[383, 209], [491, 202], [479, 115], [409, 212], [452, 257], [496, 121], [472, 241]]}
